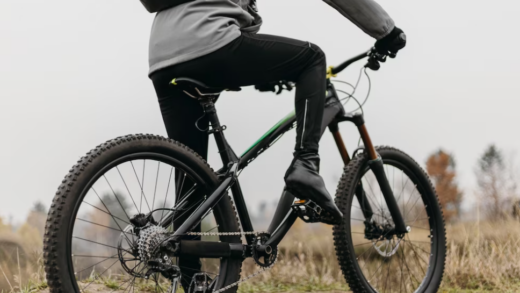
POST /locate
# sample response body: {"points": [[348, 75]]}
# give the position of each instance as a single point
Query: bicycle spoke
{"points": [[132, 282], [102, 244], [366, 210], [156, 180], [93, 256], [141, 186], [387, 273], [166, 195], [126, 186], [120, 228], [375, 272], [363, 244], [96, 224], [101, 274], [188, 193], [427, 229], [107, 213], [415, 203], [417, 246], [416, 257], [367, 258], [415, 252], [82, 270], [117, 198], [401, 263], [180, 186], [408, 267], [404, 186], [375, 198]]}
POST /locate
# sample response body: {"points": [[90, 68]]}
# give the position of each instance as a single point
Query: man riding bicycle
{"points": [[216, 42]]}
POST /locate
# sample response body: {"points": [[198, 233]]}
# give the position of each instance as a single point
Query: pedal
{"points": [[201, 283], [310, 212], [307, 210]]}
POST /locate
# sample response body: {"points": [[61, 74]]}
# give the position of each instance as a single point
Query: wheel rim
{"points": [[394, 264], [99, 252]]}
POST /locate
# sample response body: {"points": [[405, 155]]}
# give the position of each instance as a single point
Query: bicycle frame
{"points": [[284, 216]]}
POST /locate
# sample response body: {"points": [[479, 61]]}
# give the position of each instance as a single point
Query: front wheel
{"points": [[371, 256]]}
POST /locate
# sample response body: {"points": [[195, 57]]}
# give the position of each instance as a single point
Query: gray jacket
{"points": [[197, 28]]}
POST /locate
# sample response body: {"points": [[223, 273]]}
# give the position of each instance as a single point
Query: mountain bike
{"points": [[150, 214]]}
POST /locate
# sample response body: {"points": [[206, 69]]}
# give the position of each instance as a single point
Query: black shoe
{"points": [[304, 181]]}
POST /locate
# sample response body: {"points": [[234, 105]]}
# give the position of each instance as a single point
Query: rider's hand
{"points": [[391, 43]]}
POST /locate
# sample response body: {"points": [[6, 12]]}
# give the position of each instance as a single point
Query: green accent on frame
{"points": [[289, 116]]}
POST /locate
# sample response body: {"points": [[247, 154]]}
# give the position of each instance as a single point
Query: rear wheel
{"points": [[371, 258], [90, 241]]}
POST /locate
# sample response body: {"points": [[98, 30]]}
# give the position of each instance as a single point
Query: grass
{"points": [[482, 257]]}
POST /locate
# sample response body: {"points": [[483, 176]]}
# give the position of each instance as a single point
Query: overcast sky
{"points": [[74, 74]]}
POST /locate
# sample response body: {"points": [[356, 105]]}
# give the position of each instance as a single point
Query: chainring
{"points": [[264, 259]]}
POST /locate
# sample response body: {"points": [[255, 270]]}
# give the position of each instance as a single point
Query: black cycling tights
{"points": [[251, 59]]}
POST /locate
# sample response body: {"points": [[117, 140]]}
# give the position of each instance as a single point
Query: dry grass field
{"points": [[482, 257]]}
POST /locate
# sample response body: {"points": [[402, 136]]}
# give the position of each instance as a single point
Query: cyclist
{"points": [[216, 42]]}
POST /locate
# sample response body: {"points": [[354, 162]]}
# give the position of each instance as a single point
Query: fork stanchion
{"points": [[369, 147], [377, 167]]}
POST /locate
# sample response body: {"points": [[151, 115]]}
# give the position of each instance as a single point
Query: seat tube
{"points": [[376, 165], [218, 132]]}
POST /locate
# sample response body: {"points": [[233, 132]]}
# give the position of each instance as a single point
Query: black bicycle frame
{"points": [[284, 217]]}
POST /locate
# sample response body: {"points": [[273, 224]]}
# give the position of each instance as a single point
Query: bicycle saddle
{"points": [[200, 88]]}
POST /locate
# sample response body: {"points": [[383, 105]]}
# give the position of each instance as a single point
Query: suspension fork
{"points": [[360, 192], [376, 165]]}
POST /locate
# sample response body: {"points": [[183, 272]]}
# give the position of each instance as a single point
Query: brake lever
{"points": [[373, 64]]}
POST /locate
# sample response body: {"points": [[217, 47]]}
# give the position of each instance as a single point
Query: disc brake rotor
{"points": [[386, 248]]}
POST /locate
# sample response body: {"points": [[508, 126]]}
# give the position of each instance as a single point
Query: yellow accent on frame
{"points": [[329, 73], [173, 82]]}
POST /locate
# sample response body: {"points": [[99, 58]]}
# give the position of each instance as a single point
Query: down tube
{"points": [[332, 108]]}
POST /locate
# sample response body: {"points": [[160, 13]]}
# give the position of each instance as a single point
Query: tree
{"points": [[496, 183], [36, 219], [39, 207], [441, 168]]}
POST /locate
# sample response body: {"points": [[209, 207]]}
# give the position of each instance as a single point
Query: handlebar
{"points": [[373, 61], [342, 66]]}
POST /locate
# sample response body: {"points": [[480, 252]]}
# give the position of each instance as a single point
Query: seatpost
{"points": [[218, 130]]}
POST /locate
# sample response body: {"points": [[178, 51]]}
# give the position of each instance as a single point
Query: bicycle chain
{"points": [[246, 278]]}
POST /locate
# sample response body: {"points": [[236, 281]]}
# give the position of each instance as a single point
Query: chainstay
{"points": [[246, 278]]}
